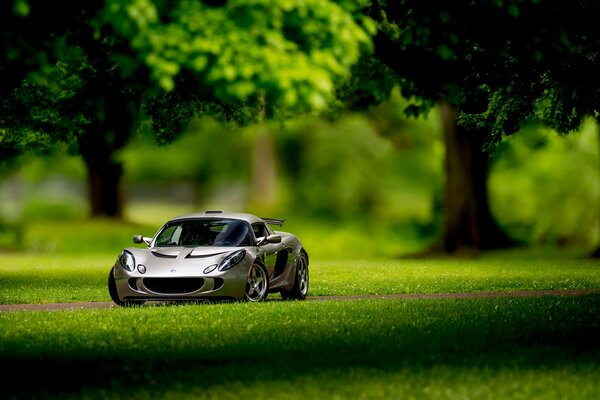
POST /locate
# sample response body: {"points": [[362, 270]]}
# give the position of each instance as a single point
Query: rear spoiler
{"points": [[274, 221]]}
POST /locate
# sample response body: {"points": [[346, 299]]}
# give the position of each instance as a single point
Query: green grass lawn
{"points": [[534, 348], [500, 348], [50, 278]]}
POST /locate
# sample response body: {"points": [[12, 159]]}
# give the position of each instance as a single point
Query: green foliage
{"points": [[84, 78], [332, 170], [21, 8], [11, 234], [291, 52], [366, 167], [171, 112], [44, 71], [545, 188], [323, 170], [207, 154], [45, 108], [371, 83], [500, 62], [43, 188], [344, 162]]}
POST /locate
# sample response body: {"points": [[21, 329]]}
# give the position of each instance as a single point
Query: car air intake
{"points": [[173, 285]]}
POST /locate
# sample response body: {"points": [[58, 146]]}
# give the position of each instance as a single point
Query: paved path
{"points": [[409, 296]]}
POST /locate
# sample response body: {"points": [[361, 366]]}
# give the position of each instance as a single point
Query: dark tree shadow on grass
{"points": [[485, 335]]}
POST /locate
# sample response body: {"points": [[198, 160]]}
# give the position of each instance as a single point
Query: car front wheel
{"points": [[257, 284], [112, 290], [300, 288]]}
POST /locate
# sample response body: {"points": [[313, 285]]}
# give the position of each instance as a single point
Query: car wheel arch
{"points": [[297, 291], [264, 290], [305, 253]]}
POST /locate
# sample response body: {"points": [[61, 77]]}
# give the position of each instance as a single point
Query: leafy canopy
{"points": [[499, 61], [243, 60], [289, 52]]}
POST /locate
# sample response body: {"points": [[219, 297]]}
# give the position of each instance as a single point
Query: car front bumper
{"points": [[230, 284]]}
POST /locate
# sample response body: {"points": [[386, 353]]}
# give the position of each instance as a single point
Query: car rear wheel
{"points": [[112, 290], [300, 288], [257, 285]]}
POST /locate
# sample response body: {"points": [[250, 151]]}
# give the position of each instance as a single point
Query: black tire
{"points": [[257, 285], [112, 290], [300, 288]]}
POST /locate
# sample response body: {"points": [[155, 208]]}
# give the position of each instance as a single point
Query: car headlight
{"points": [[127, 261], [232, 260]]}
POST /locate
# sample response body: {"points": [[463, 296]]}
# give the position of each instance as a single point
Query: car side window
{"points": [[260, 230]]}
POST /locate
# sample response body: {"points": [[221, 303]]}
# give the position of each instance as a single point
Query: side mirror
{"points": [[274, 239], [268, 239], [142, 239]]}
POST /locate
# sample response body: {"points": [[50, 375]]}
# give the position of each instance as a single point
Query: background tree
{"points": [[261, 59], [60, 85], [490, 65], [87, 77]]}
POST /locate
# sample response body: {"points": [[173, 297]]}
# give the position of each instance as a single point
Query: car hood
{"points": [[185, 260], [159, 255]]}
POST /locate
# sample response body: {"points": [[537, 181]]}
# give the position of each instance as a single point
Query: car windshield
{"points": [[204, 232]]}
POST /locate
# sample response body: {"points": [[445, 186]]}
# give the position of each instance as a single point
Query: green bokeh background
{"points": [[364, 185]]}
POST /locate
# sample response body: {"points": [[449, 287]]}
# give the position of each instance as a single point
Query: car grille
{"points": [[173, 285]]}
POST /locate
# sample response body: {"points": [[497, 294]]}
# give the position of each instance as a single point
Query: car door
{"points": [[268, 250]]}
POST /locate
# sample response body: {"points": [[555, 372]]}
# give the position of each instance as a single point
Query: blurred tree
{"points": [[242, 60], [59, 84], [490, 64], [536, 202], [81, 76]]}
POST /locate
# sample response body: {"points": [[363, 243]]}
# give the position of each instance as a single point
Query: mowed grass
{"points": [[527, 348], [50, 278], [450, 275], [488, 348]]}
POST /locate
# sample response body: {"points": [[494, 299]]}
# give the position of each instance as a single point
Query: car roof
{"points": [[251, 219]]}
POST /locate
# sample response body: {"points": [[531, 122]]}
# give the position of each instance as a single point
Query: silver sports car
{"points": [[213, 255]]}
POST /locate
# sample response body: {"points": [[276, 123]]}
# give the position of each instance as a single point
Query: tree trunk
{"points": [[468, 222], [114, 114], [264, 175], [104, 185], [97, 148]]}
